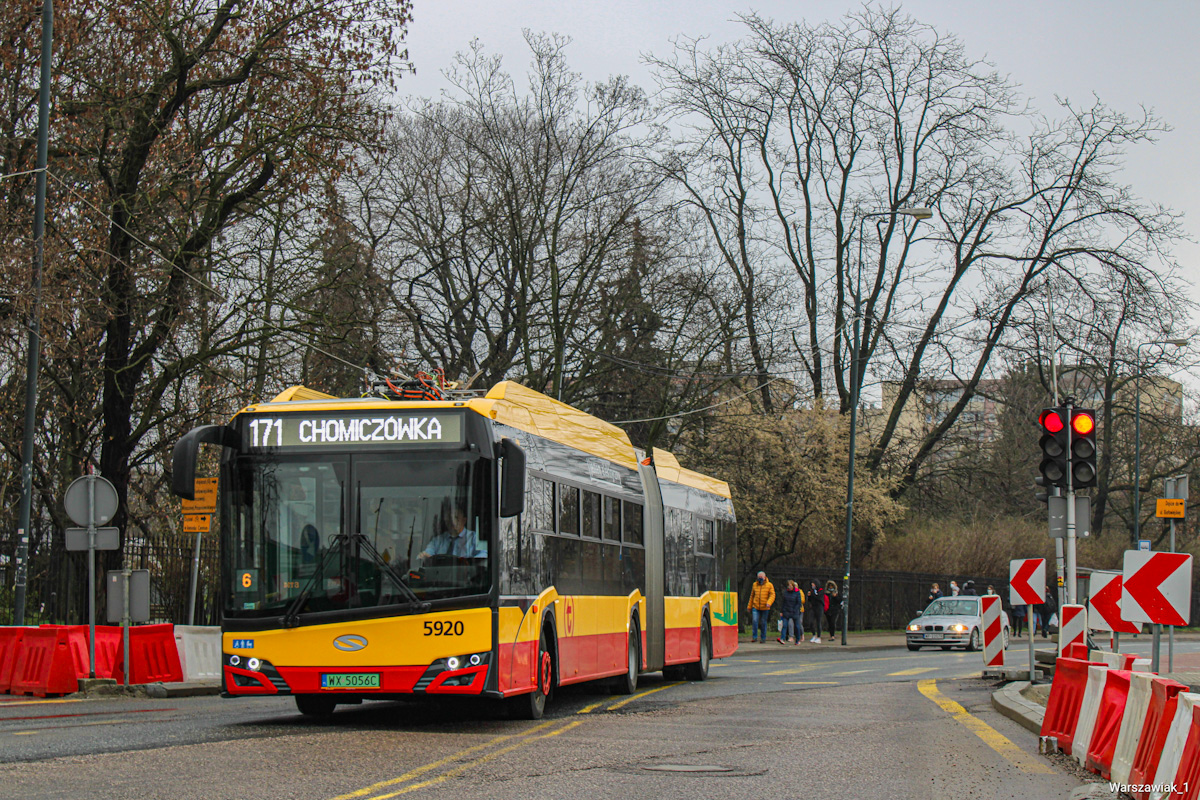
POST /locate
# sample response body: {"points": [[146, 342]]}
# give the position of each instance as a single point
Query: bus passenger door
{"points": [[655, 570]]}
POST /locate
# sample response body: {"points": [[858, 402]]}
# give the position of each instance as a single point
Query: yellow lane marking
{"points": [[24, 733], [810, 683], [792, 671], [435, 764], [461, 768], [7, 704], [523, 738], [851, 672], [628, 700], [990, 736], [913, 671]]}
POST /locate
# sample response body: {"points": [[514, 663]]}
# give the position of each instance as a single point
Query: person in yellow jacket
{"points": [[762, 597]]}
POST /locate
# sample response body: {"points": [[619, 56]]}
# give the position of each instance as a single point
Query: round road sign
{"points": [[105, 500]]}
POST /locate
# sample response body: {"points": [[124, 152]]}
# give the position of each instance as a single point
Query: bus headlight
{"points": [[452, 662], [252, 664], [234, 660]]}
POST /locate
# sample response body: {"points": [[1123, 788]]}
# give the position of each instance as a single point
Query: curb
{"points": [[108, 687], [1009, 702]]}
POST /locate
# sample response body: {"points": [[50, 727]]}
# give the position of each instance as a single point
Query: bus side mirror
{"points": [[183, 457], [512, 479]]}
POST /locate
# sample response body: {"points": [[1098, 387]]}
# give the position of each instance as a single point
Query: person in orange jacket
{"points": [[762, 597]]}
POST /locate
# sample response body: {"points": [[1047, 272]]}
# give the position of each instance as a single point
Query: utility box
{"points": [[139, 594]]}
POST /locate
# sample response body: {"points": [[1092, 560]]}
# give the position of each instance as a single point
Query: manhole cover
{"points": [[687, 768]]}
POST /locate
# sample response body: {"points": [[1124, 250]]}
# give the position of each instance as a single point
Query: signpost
{"points": [[197, 519], [1156, 588], [128, 601], [1027, 586], [1177, 494], [91, 501]]}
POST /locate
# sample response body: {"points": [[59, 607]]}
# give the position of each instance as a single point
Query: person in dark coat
{"points": [[1047, 610], [968, 589], [935, 592], [814, 610], [833, 606], [790, 609]]}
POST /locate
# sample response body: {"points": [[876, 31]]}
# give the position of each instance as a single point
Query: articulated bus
{"points": [[498, 546]]}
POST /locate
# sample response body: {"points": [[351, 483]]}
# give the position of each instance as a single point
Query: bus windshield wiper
{"points": [[291, 617], [365, 544]]}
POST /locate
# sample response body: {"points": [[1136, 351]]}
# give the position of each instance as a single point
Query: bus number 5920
{"points": [[443, 628]]}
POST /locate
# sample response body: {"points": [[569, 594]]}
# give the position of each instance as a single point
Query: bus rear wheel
{"points": [[533, 704], [314, 705], [698, 670], [627, 683]]}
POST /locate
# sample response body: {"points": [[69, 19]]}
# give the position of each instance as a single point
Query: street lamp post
{"points": [[1137, 430], [917, 214]]}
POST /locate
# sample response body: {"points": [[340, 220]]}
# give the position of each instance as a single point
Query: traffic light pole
{"points": [[1071, 565]]}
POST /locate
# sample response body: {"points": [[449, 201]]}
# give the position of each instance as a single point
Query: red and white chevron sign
{"points": [[993, 632], [1104, 605], [1156, 587], [1072, 626], [1027, 581]]}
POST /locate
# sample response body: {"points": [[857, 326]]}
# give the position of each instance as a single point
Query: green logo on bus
{"points": [[728, 612]]}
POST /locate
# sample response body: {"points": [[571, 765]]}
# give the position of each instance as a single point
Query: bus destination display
{"points": [[367, 428]]}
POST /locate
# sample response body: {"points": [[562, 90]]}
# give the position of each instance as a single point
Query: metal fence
{"points": [[56, 584]]}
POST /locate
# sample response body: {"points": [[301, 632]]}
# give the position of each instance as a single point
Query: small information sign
{"points": [[206, 498], [197, 523], [1170, 508]]}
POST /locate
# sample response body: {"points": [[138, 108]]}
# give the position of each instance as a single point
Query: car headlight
{"points": [[914, 627], [959, 628]]}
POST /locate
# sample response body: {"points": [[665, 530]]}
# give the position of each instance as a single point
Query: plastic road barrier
{"points": [[1072, 626], [10, 646], [1097, 676], [1066, 699], [1112, 710], [152, 654], [1178, 733], [1159, 716], [1133, 720], [1114, 660], [199, 650], [1079, 650], [1187, 774], [993, 632], [1141, 665], [44, 666]]}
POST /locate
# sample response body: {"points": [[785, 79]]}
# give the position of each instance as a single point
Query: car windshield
{"points": [[333, 532], [953, 606]]}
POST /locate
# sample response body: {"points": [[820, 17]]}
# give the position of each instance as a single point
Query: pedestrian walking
{"points": [[1048, 610], [1018, 615], [762, 597], [833, 606], [991, 592], [935, 592], [814, 602], [968, 589], [953, 589], [791, 606]]}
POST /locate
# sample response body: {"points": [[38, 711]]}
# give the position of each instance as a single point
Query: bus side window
{"points": [[591, 514], [632, 513], [612, 518], [568, 510]]}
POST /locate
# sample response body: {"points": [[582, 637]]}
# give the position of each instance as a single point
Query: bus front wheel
{"points": [[314, 705], [533, 704]]}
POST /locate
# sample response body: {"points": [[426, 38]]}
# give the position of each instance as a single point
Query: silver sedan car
{"points": [[951, 622]]}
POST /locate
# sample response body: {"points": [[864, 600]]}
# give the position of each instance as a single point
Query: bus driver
{"points": [[456, 541]]}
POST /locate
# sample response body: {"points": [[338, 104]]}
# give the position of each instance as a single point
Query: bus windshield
{"points": [[325, 532]]}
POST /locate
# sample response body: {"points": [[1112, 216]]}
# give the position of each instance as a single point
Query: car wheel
{"points": [[973, 645]]}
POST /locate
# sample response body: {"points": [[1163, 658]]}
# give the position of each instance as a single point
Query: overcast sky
{"points": [[1127, 54]]}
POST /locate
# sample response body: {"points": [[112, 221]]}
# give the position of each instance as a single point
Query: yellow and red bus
{"points": [[498, 545]]}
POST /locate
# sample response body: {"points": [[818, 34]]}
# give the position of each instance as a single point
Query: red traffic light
{"points": [[1083, 424], [1051, 420]]}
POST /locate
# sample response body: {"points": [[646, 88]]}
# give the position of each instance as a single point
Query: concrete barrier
{"points": [[199, 652]]}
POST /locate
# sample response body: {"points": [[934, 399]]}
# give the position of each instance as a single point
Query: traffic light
{"points": [[1083, 448], [1055, 459]]}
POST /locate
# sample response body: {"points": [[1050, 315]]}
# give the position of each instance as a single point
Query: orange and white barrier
{"points": [[1072, 627], [1183, 728], [993, 632], [1137, 702]]}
